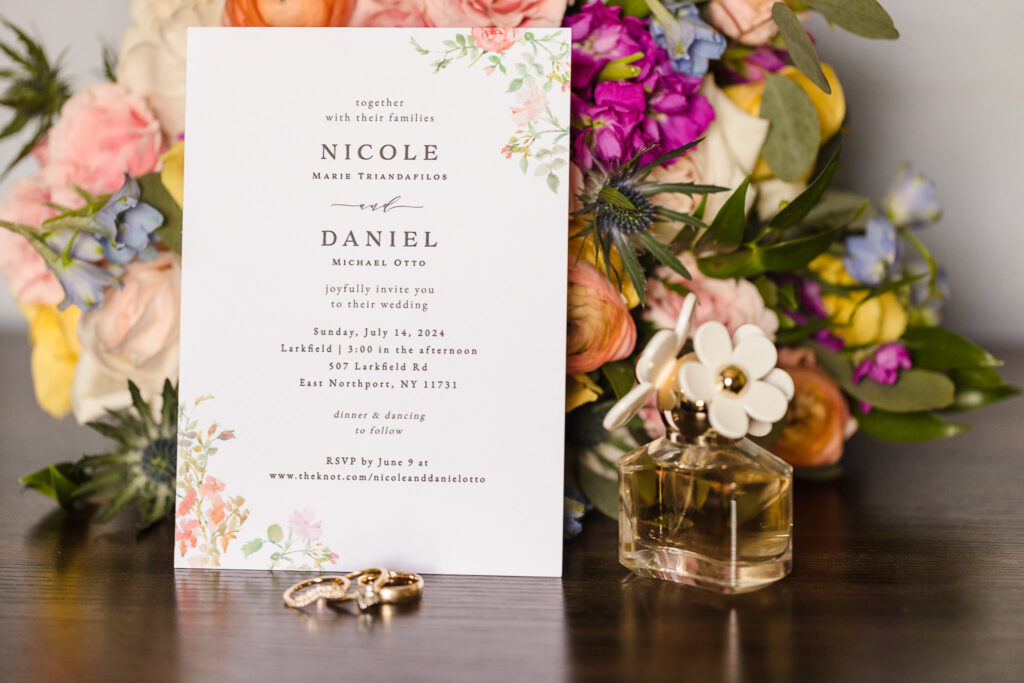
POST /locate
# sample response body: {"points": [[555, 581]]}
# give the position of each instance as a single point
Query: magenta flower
{"points": [[302, 524], [885, 364], [600, 36]]}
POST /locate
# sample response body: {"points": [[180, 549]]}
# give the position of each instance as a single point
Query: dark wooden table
{"points": [[908, 568]]}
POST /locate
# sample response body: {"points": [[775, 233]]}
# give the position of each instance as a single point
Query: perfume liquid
{"points": [[715, 514]]}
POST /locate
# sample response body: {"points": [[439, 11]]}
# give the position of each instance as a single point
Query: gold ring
{"points": [[318, 589], [368, 583], [398, 588]]}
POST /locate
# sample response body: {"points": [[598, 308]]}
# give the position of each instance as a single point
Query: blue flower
{"points": [[575, 506], [869, 256], [135, 235], [911, 199], [126, 197], [691, 43], [83, 283]]}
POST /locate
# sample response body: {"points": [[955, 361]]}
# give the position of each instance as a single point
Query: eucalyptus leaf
{"points": [[941, 349], [864, 18], [620, 376], [805, 202], [907, 427], [799, 45], [599, 483], [915, 391], [794, 134], [727, 228]]}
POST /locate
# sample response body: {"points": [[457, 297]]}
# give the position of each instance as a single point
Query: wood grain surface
{"points": [[908, 568]]}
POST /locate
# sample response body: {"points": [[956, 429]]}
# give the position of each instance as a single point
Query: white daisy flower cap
{"points": [[734, 378]]}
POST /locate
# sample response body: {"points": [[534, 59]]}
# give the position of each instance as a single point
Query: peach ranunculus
{"points": [[818, 421], [530, 105], [731, 302], [600, 328], [495, 39], [287, 12], [133, 335], [500, 13], [747, 21], [390, 13], [151, 63], [103, 132]]}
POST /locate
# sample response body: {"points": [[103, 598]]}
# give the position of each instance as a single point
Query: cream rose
{"points": [[133, 335], [152, 60]]}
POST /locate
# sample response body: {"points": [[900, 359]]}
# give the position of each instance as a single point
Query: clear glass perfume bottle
{"points": [[704, 510]]}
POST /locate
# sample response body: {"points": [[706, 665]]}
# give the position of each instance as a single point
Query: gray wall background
{"points": [[948, 97]]}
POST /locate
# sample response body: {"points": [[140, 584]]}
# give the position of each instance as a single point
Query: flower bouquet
{"points": [[704, 140]]}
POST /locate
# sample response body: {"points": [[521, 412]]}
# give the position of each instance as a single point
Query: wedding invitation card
{"points": [[373, 300]]}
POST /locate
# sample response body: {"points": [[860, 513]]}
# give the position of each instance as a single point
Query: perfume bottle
{"points": [[705, 505]]}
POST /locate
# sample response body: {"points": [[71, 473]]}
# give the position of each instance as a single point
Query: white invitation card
{"points": [[373, 300]]}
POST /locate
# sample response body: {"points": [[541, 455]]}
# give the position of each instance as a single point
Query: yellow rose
{"points": [[55, 351], [876, 321], [579, 389], [831, 108], [172, 175], [586, 249]]}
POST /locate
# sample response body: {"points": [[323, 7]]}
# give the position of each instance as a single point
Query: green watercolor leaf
{"points": [[252, 547], [275, 533], [794, 135]]}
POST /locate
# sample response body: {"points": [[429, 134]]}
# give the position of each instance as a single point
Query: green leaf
{"points": [[681, 188], [644, 170], [806, 201], [726, 229], [915, 391], [141, 407], [664, 255], [156, 195], [799, 45], [977, 378], [780, 258], [552, 180], [252, 546], [941, 349], [907, 427], [275, 533], [515, 85], [794, 134], [57, 481], [599, 483], [768, 290], [971, 398], [862, 17], [799, 333], [524, 164], [837, 208], [632, 265], [620, 376]]}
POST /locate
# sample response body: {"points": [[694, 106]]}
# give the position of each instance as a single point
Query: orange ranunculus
{"points": [[818, 421], [600, 328], [287, 12]]}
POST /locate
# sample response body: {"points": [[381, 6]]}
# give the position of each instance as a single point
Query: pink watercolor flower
{"points": [[217, 511], [103, 132], [499, 13], [600, 328], [301, 522], [185, 534], [731, 302], [495, 39], [211, 485], [187, 502], [747, 21], [529, 106]]}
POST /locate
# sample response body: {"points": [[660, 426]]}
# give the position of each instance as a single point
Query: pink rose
{"points": [[600, 328], [495, 39], [103, 132], [731, 302], [395, 13], [133, 335], [27, 277], [500, 13], [531, 104], [747, 21]]}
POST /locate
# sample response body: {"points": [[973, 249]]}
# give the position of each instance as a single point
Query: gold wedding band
{"points": [[318, 589], [368, 587]]}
